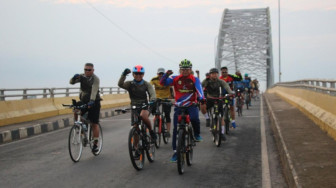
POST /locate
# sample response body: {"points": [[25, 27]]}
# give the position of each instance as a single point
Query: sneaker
{"points": [[174, 158], [153, 135], [137, 154], [198, 138], [94, 148], [234, 124], [207, 122], [223, 136], [167, 134]]}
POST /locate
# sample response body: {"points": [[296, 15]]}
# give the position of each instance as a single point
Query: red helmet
{"points": [[139, 68]]}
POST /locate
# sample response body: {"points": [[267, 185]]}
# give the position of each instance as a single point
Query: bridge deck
{"points": [[308, 153]]}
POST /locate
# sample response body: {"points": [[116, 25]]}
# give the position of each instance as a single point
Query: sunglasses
{"points": [[138, 73], [88, 70], [161, 73], [185, 69], [224, 72]]}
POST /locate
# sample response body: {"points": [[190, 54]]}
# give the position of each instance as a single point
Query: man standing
{"points": [[89, 94]]}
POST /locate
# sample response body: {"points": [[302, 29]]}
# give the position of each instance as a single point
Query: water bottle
{"points": [[84, 127]]}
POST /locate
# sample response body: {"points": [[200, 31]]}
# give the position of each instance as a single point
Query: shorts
{"points": [[93, 112]]}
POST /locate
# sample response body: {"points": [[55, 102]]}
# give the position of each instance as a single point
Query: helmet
{"points": [[161, 70], [213, 70], [185, 64], [138, 68], [246, 75]]}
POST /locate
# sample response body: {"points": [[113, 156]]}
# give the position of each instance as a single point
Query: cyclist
{"points": [[187, 90], [89, 94], [247, 82], [229, 78], [163, 92], [256, 88], [138, 90], [215, 87]]}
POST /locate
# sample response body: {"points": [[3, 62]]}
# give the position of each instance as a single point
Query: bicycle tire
{"points": [[164, 128], [157, 132], [138, 164], [190, 148], [180, 151], [100, 139], [75, 144], [226, 119], [218, 131], [149, 146]]}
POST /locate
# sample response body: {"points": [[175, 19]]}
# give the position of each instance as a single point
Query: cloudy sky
{"points": [[45, 42]]}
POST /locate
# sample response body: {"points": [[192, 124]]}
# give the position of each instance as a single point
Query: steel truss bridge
{"points": [[245, 43]]}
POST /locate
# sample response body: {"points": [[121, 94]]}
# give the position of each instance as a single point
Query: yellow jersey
{"points": [[162, 92]]}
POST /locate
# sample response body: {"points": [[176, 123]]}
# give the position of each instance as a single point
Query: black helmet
{"points": [[213, 70]]}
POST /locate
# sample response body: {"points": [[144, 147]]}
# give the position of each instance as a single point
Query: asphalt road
{"points": [[43, 161]]}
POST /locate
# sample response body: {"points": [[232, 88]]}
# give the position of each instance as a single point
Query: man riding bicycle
{"points": [[163, 92], [138, 90], [214, 87], [188, 90], [229, 78], [89, 94]]}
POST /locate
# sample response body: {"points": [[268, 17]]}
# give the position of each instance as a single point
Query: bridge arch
{"points": [[245, 43]]}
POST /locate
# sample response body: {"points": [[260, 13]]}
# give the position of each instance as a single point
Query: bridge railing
{"points": [[318, 85], [32, 93]]}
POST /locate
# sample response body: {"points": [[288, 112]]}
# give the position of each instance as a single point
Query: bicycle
{"points": [[185, 140], [160, 127], [247, 98], [139, 139], [81, 133], [216, 120], [240, 102], [226, 112]]}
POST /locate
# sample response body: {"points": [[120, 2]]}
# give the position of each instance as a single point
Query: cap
{"points": [[160, 70]]}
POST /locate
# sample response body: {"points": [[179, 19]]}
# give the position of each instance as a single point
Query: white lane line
{"points": [[266, 178]]}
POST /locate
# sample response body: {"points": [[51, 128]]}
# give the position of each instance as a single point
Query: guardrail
{"points": [[318, 85], [32, 93]]}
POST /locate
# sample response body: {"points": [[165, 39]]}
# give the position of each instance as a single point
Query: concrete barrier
{"points": [[26, 110], [319, 107], [18, 111]]}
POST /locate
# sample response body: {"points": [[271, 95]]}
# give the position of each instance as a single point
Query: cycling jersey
{"points": [[161, 91], [138, 91], [187, 88], [215, 87], [89, 87]]}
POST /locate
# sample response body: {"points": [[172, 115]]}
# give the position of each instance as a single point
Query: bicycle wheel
{"points": [[100, 139], [181, 151], [149, 147], [190, 148], [75, 143], [226, 119], [157, 131], [217, 131], [135, 149], [165, 138]]}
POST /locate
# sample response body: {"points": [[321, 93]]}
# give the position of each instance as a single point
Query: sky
{"points": [[43, 43]]}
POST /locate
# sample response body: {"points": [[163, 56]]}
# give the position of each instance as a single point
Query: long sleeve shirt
{"points": [[138, 91], [187, 88], [89, 87]]}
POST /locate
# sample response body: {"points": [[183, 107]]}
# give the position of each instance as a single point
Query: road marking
{"points": [[266, 178]]}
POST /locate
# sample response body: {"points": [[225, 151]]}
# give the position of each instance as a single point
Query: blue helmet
{"points": [[138, 68]]}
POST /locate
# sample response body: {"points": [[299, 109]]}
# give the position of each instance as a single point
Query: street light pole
{"points": [[279, 44]]}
